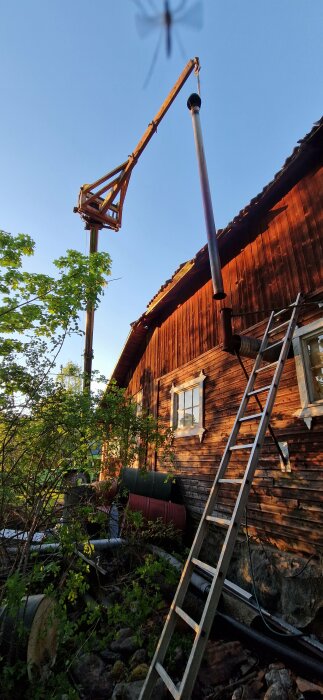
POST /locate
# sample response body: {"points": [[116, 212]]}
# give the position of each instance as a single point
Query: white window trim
{"points": [[175, 390], [308, 410]]}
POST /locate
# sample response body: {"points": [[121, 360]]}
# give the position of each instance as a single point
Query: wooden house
{"points": [[173, 360]]}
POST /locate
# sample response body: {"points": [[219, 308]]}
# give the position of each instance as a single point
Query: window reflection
{"points": [[188, 412], [315, 353]]}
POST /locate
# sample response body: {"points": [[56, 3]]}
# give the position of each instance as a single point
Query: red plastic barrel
{"points": [[154, 508]]}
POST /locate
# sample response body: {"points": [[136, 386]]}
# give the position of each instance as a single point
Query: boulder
{"points": [[128, 691], [276, 692], [139, 673]]}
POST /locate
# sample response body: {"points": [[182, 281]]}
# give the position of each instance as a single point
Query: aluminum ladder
{"points": [[231, 524]]}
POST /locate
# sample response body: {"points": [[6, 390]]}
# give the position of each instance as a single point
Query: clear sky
{"points": [[73, 107]]}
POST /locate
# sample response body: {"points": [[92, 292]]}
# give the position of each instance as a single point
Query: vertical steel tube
{"points": [[194, 103], [89, 323]]}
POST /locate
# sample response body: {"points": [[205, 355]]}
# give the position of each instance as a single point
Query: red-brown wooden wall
{"points": [[282, 254]]}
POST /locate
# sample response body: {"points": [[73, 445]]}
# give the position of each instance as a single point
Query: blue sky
{"points": [[73, 107]]}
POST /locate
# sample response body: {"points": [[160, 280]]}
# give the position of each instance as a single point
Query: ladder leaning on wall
{"points": [[201, 629]]}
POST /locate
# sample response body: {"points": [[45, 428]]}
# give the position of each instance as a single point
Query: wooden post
{"points": [[89, 323]]}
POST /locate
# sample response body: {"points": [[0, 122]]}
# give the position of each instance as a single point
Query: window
{"points": [[138, 398], [308, 351], [187, 408]]}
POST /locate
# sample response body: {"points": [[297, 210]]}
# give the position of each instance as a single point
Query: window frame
{"points": [[198, 429], [309, 408]]}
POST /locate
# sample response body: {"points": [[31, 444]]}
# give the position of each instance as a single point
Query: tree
{"points": [[46, 425], [70, 376], [49, 424], [38, 312]]}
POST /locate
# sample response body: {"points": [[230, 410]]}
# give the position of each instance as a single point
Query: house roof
{"points": [[308, 151]]}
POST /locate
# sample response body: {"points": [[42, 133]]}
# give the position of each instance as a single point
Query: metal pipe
{"points": [[99, 545], [227, 341], [293, 656], [202, 587], [194, 103]]}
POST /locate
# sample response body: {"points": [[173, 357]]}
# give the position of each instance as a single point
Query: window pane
{"points": [[196, 396], [188, 398], [180, 419], [315, 351], [196, 415], [181, 399], [188, 418]]}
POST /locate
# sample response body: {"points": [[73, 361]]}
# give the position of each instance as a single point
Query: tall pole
{"points": [[89, 323], [194, 104]]}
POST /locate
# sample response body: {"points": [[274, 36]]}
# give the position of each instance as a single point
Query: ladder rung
{"points": [[253, 416], [167, 680], [230, 481], [258, 391], [206, 567], [262, 369], [243, 447], [189, 620], [281, 325], [272, 345], [283, 311], [224, 522]]}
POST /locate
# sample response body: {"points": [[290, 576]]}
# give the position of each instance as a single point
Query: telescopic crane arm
{"points": [[100, 203]]}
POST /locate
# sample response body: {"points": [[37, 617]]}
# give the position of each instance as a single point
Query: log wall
{"points": [[278, 256]]}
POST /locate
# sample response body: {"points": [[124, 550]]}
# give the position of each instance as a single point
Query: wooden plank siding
{"points": [[279, 254]]}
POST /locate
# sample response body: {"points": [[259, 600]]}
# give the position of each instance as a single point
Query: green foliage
{"points": [[70, 377], [49, 427], [131, 436], [141, 597]]}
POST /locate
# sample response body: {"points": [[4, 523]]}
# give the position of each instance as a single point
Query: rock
{"points": [[124, 633], [178, 655], [302, 596], [308, 687], [256, 686], [160, 691], [128, 691], [138, 658], [248, 666], [125, 646], [222, 659], [106, 602], [243, 692], [276, 692], [87, 670], [281, 676], [139, 673], [104, 687], [118, 670], [238, 694], [109, 656], [276, 665], [266, 580]]}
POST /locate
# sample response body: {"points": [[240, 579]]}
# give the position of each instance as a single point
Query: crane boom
{"points": [[100, 203]]}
